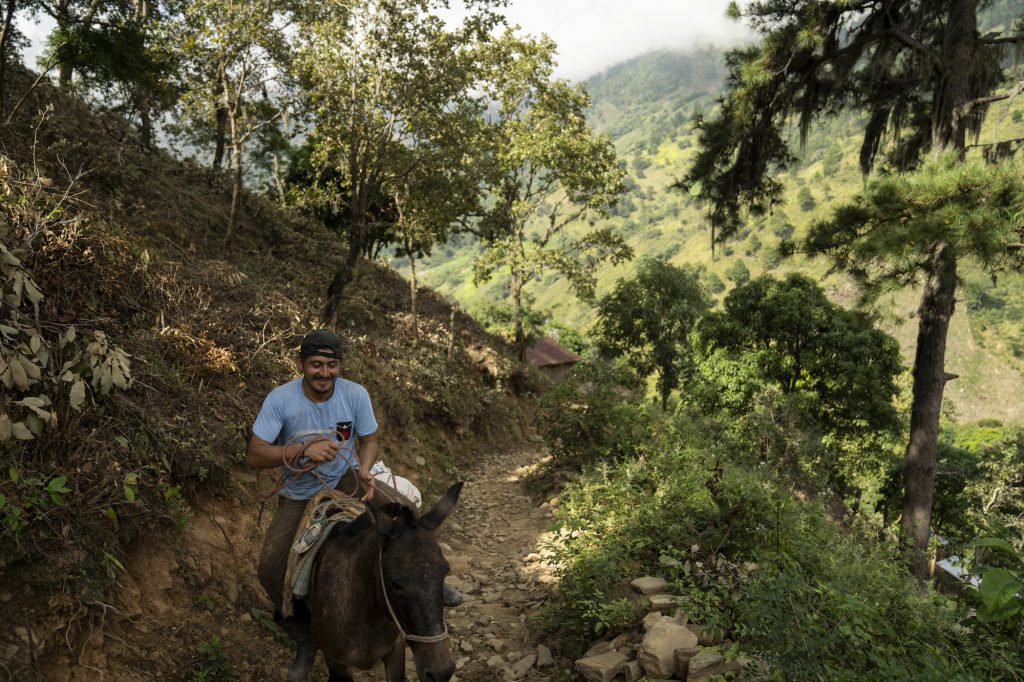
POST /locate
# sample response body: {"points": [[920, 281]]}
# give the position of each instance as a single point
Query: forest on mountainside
{"points": [[794, 270]]}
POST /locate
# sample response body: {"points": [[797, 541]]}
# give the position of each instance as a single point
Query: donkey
{"points": [[377, 584]]}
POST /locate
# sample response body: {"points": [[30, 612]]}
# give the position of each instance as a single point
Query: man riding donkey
{"points": [[308, 427]]}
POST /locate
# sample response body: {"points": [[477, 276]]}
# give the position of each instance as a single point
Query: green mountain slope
{"points": [[646, 106]]}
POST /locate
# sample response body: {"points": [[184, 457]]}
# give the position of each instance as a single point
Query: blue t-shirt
{"points": [[288, 416]]}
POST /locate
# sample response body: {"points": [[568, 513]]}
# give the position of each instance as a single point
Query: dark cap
{"points": [[322, 342]]}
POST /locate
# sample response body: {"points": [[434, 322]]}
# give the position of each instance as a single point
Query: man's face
{"points": [[319, 373]]}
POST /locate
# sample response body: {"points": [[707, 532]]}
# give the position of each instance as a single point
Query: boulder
{"points": [[657, 654], [601, 647], [705, 636], [601, 668], [652, 619], [662, 603], [708, 664], [683, 657], [632, 671]]}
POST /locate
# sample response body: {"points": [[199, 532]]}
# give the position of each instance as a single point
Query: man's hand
{"points": [[367, 480], [322, 451]]}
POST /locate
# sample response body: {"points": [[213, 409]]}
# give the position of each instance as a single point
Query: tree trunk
{"points": [[220, 136], [955, 86], [345, 273], [516, 290], [953, 91], [278, 166], [65, 74], [236, 161], [451, 333], [341, 279], [236, 187], [930, 378], [5, 35], [407, 241], [145, 117]]}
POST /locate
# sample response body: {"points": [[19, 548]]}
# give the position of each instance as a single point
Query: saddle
{"points": [[323, 512]]}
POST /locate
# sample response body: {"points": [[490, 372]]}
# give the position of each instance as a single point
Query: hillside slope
{"points": [[153, 493], [646, 106]]}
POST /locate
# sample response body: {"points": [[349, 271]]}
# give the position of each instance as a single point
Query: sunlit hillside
{"points": [[647, 106]]}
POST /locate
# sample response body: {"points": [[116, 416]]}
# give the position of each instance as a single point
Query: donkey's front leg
{"points": [[394, 661]]}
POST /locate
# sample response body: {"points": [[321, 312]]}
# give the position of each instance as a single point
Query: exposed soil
{"points": [[183, 592]]}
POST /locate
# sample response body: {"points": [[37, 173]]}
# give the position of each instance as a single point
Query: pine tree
{"points": [[924, 76]]}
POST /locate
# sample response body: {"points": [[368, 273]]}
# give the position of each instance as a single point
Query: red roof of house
{"points": [[546, 352]]}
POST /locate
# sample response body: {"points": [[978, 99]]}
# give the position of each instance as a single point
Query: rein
{"points": [[433, 639]]}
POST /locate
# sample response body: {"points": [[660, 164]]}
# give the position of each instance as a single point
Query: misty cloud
{"points": [[593, 35]]}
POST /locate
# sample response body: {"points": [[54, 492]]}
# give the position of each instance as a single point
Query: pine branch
{"points": [[1002, 40], [983, 101], [919, 47]]}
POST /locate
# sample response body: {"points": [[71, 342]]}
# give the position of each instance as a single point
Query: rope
{"points": [[294, 472], [433, 639]]}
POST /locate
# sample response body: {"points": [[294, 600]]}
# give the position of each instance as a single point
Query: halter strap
{"points": [[433, 639]]}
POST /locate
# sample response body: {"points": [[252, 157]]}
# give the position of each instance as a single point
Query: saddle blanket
{"points": [[323, 512]]}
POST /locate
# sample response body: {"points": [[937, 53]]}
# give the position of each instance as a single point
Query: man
{"points": [[314, 419]]}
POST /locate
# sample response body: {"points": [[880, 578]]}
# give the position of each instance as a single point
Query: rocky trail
{"points": [[497, 561], [493, 542]]}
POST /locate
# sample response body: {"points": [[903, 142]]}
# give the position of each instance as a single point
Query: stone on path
{"points": [[657, 653], [601, 668], [544, 657], [649, 585], [521, 667]]}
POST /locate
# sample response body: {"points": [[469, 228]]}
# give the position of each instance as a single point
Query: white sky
{"points": [[591, 34]]}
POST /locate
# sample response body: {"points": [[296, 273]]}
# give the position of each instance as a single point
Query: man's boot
{"points": [[305, 649], [451, 596]]}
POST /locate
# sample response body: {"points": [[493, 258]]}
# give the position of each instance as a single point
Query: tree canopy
{"points": [[544, 170], [648, 317]]}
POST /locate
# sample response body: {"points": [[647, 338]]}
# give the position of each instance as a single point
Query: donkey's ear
{"points": [[381, 521], [436, 516]]}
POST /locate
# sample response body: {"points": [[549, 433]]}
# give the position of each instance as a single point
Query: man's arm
{"points": [[263, 455], [367, 457]]}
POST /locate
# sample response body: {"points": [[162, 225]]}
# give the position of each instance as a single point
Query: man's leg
{"points": [[272, 567]]}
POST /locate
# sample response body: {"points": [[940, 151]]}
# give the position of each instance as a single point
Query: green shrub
{"points": [[597, 413], [765, 568]]}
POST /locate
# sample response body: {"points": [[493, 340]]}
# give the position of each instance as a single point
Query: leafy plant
{"points": [[1000, 594], [214, 665], [41, 371]]}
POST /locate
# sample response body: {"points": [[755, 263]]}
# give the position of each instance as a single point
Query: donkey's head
{"points": [[413, 571]]}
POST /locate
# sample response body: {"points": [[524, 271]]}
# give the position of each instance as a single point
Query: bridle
{"points": [[433, 639]]}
